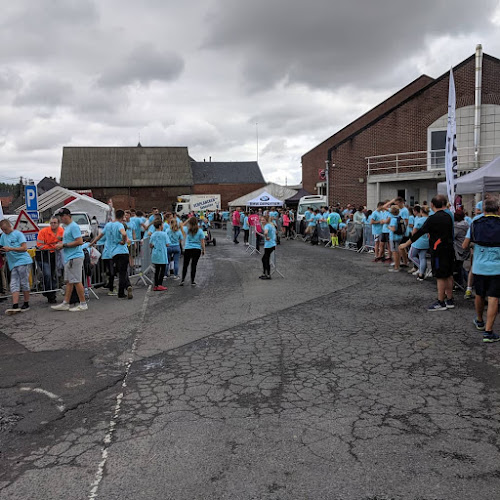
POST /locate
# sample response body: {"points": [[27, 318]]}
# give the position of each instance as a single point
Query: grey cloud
{"points": [[143, 65], [42, 138], [46, 92], [327, 44], [9, 80]]}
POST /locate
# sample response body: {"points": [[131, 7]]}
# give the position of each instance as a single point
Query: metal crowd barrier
{"points": [[252, 241], [323, 233], [353, 234], [140, 261], [229, 231], [368, 239]]}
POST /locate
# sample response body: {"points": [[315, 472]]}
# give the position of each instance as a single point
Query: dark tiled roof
{"points": [[227, 172], [46, 184], [301, 192], [92, 167]]}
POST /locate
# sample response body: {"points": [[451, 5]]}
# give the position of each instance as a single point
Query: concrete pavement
{"points": [[331, 383]]}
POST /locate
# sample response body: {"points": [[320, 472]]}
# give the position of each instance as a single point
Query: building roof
{"points": [[92, 167], [46, 184], [227, 172], [296, 197], [279, 192]]}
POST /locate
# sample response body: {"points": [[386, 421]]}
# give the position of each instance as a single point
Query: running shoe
{"points": [[193, 283], [393, 270], [79, 308], [12, 311], [468, 294], [450, 303], [161, 288], [130, 295], [112, 293], [480, 325], [25, 307], [420, 277], [61, 307], [412, 270], [437, 306], [181, 283], [490, 337], [416, 272]]}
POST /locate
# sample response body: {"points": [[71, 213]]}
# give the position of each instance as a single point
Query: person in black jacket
{"points": [[439, 226]]}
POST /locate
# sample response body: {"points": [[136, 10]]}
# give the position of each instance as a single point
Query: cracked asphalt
{"points": [[333, 383]]}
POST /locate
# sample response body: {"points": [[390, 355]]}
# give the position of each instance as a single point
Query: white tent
{"points": [[57, 196], [483, 180], [265, 200], [275, 190]]}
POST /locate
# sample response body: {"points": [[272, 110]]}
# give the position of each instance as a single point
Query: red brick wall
{"points": [[404, 129], [141, 198], [228, 192]]}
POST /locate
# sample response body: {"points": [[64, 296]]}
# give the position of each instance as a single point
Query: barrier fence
{"points": [[47, 269]]}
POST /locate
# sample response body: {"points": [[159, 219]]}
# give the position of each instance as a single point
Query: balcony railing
{"points": [[421, 161]]}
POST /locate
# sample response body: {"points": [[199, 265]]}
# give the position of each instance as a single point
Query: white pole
{"points": [[327, 174]]}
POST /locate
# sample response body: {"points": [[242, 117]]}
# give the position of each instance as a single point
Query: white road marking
{"points": [[49, 394], [112, 424]]}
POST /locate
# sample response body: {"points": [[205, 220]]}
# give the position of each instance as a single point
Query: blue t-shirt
{"points": [[410, 226], [312, 219], [273, 215], [175, 236], [404, 213], [377, 216], [194, 241], [334, 220], [468, 220], [115, 237], [246, 227], [486, 261], [106, 253], [423, 242], [385, 227], [135, 224], [307, 215], [159, 240], [71, 233], [271, 234], [342, 225], [394, 224], [14, 240]]}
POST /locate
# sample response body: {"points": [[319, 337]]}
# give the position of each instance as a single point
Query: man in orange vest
{"points": [[45, 257]]}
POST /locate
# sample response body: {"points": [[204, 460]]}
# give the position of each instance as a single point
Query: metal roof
{"points": [[227, 172]]}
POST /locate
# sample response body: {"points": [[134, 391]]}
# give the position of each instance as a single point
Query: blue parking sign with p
{"points": [[31, 197]]}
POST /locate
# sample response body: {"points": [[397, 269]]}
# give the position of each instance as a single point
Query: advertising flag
{"points": [[451, 160]]}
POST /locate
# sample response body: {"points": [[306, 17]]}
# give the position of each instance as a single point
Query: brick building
{"points": [[144, 177], [229, 179], [397, 148]]}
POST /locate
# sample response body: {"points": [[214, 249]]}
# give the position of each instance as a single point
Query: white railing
{"points": [[420, 161]]}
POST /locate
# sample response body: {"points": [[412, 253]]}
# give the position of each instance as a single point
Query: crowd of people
{"points": [[403, 237]]}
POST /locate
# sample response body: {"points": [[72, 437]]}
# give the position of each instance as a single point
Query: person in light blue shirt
{"points": [[418, 249], [14, 247], [73, 255], [158, 243], [193, 249], [376, 223], [119, 250], [246, 229], [174, 250], [269, 231], [394, 238]]}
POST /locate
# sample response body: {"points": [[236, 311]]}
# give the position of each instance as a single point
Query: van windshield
{"points": [[315, 206], [80, 219]]}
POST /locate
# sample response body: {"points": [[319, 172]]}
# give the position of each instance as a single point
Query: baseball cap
{"points": [[479, 206], [63, 211]]}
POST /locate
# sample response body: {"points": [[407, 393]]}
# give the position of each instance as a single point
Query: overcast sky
{"points": [[202, 74]]}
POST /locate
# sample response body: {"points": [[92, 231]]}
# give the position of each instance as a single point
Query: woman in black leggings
{"points": [[194, 248], [269, 230]]}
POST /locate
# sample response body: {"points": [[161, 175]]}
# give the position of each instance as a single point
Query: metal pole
{"points": [[327, 174]]}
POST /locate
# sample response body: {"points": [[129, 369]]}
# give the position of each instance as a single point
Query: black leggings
{"points": [[266, 260], [159, 273], [247, 233], [190, 255], [121, 268]]}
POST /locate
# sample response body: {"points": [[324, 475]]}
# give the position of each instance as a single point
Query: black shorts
{"points": [[332, 230], [487, 286], [443, 262], [384, 237]]}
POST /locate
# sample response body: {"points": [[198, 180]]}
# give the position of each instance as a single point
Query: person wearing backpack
{"points": [[485, 234], [396, 226]]}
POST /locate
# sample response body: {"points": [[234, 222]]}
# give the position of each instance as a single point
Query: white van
{"points": [[315, 201]]}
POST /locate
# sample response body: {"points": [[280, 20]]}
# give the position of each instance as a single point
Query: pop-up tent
{"points": [[57, 197], [483, 180], [265, 200], [275, 190]]}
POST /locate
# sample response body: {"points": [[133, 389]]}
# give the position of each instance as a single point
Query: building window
{"points": [[437, 146], [321, 188]]}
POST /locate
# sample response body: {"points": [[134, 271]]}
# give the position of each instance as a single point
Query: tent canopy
{"points": [[275, 190], [483, 180], [58, 196], [265, 200]]}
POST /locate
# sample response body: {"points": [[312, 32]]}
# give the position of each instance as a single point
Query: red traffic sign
{"points": [[25, 224]]}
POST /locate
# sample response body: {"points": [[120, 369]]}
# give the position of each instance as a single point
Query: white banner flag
{"points": [[1, 211], [451, 160]]}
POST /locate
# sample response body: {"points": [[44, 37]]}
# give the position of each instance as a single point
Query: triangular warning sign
{"points": [[25, 224]]}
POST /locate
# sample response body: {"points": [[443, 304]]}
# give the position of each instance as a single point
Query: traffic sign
{"points": [[25, 224], [34, 216], [31, 196]]}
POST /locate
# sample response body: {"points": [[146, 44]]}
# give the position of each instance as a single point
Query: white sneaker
{"points": [[392, 264], [79, 307], [177, 278], [61, 307], [415, 273]]}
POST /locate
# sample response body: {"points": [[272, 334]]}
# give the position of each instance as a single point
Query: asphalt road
{"points": [[332, 383]]}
